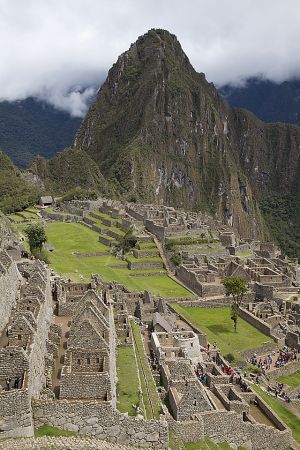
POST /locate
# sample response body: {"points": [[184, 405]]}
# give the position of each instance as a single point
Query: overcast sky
{"points": [[48, 47]]}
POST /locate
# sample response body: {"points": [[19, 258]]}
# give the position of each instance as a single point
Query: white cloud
{"points": [[47, 47], [75, 101]]}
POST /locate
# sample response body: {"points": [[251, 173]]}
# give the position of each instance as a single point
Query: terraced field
{"points": [[71, 238]]}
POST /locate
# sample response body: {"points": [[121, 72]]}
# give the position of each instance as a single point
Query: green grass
{"points": [[206, 444], [145, 375], [106, 216], [292, 421], [127, 387], [47, 430], [143, 260], [218, 326], [15, 218], [68, 238], [292, 380]]}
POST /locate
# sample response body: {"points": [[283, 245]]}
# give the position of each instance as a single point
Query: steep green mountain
{"points": [[271, 102], [67, 170], [30, 127], [159, 132], [15, 192]]}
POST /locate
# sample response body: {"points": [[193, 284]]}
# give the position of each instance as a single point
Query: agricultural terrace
{"points": [[67, 239], [218, 326]]}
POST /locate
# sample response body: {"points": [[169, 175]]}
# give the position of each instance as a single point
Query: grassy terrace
{"points": [[101, 225], [150, 396], [218, 326], [206, 444], [68, 238], [278, 406], [47, 430], [106, 216], [128, 386], [292, 380]]}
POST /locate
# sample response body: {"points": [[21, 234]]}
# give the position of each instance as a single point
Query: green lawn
{"points": [[147, 381], [127, 387], [218, 326], [287, 416], [68, 238], [47, 430], [292, 380], [206, 444]]}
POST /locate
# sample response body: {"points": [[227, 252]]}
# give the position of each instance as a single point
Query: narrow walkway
{"points": [[217, 402], [112, 356], [63, 322]]}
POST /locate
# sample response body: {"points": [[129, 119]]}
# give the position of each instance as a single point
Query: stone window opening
{"points": [[195, 402], [88, 361], [78, 362], [192, 344], [97, 360], [19, 337]]}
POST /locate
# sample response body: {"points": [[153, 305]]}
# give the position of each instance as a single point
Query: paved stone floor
{"points": [[59, 443]]}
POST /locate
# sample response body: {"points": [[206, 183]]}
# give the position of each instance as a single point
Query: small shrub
{"points": [[229, 357], [176, 259], [254, 369]]}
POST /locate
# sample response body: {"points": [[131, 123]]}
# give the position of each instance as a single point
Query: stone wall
{"points": [[15, 414], [9, 282], [101, 420], [157, 230], [285, 370], [138, 265], [255, 321], [85, 385], [229, 426], [36, 378]]}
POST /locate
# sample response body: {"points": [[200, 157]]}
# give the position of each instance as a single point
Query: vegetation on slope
{"points": [[282, 215], [31, 127], [15, 193], [69, 169]]}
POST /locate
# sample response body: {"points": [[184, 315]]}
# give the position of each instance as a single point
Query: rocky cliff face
{"points": [[161, 133]]}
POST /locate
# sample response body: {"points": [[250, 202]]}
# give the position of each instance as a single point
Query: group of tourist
{"points": [[286, 355], [262, 363], [279, 392], [201, 374]]}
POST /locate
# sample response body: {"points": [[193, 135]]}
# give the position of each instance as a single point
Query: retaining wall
{"points": [[101, 420]]}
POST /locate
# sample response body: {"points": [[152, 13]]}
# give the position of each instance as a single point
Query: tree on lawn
{"points": [[236, 287], [127, 242], [36, 236]]}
